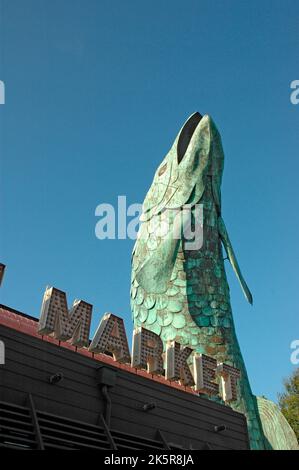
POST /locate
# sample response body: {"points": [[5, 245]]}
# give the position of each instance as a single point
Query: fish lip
{"points": [[186, 134]]}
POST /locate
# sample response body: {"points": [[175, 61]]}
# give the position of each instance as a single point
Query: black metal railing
{"points": [[26, 428]]}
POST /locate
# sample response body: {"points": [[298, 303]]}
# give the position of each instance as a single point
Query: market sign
{"points": [[147, 350]]}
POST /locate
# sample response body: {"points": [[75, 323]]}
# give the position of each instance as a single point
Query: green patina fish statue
{"points": [[179, 288]]}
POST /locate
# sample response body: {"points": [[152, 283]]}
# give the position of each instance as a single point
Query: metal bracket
{"points": [[163, 439], [37, 431], [108, 433]]}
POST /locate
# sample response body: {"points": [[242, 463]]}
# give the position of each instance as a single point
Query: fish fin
{"points": [[156, 271], [232, 258]]}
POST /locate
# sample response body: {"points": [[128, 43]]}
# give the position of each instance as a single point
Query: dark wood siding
{"points": [[183, 418]]}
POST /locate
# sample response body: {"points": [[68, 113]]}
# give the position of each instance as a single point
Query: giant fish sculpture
{"points": [[179, 290]]}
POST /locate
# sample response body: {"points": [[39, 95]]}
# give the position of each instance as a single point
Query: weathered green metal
{"points": [[183, 294], [278, 433]]}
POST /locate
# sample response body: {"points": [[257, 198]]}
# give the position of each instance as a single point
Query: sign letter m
{"points": [[63, 324]]}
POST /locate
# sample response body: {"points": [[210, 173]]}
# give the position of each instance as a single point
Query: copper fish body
{"points": [[178, 292]]}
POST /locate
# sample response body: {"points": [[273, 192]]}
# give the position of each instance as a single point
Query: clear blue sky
{"points": [[95, 93]]}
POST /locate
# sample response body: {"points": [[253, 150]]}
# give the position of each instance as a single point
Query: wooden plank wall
{"points": [[184, 419]]}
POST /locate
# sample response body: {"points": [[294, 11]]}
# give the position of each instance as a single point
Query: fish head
{"points": [[180, 179]]}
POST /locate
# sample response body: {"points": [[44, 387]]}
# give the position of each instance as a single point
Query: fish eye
{"points": [[162, 170]]}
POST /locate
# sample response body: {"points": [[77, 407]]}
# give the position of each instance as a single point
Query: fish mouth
{"points": [[186, 135]]}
